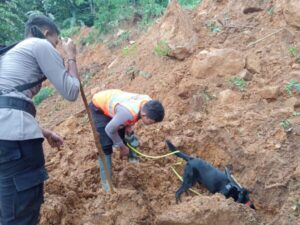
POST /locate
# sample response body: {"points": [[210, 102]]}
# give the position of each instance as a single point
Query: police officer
{"points": [[22, 69]]}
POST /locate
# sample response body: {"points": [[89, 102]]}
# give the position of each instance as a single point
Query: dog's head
{"points": [[241, 196]]}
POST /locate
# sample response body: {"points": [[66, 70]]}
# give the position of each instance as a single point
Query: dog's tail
{"points": [[172, 148]]}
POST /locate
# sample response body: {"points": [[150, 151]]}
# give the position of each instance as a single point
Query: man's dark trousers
{"points": [[22, 174]]}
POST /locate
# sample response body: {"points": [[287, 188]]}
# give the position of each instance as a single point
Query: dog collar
{"points": [[228, 187]]}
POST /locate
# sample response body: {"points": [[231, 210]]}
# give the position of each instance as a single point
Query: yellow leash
{"points": [[163, 156], [180, 178], [150, 156]]}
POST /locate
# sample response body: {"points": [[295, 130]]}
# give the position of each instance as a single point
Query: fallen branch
{"points": [[261, 39], [275, 185]]}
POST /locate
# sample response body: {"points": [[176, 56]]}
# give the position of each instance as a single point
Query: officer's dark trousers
{"points": [[22, 174]]}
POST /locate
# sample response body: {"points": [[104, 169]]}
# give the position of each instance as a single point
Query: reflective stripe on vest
{"points": [[107, 101]]}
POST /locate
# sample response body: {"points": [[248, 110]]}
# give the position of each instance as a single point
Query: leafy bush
{"points": [[69, 32], [189, 4], [104, 15], [149, 11], [162, 48], [212, 26], [294, 52], [92, 37], [12, 23], [285, 124], [238, 82], [125, 36], [43, 94], [292, 85], [129, 50]]}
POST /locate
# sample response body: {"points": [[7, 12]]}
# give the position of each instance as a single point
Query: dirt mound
{"points": [[217, 62], [250, 126], [124, 207], [176, 29], [292, 12], [207, 211]]}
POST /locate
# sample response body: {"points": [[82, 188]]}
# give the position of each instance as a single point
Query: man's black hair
{"points": [[154, 110], [37, 23]]}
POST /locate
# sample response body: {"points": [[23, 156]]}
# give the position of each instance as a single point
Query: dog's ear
{"points": [[170, 145]]}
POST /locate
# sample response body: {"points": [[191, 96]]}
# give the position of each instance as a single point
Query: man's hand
{"points": [[128, 130], [69, 47], [124, 151], [53, 139]]}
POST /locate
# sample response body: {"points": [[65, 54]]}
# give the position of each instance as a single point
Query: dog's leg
{"points": [[188, 181]]}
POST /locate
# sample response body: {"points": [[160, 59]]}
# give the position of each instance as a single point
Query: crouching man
{"points": [[114, 113]]}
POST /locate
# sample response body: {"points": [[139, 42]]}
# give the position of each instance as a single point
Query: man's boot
{"points": [[104, 181]]}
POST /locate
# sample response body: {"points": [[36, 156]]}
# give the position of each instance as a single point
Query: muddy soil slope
{"points": [[191, 60]]}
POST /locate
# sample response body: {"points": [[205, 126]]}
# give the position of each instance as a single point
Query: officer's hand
{"points": [[69, 47], [124, 151], [54, 139]]}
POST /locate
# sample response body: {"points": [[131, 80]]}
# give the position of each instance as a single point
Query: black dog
{"points": [[199, 170]]}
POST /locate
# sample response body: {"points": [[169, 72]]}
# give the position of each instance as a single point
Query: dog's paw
{"points": [[178, 198]]}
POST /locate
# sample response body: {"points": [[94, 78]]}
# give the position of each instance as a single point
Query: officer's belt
{"points": [[18, 104]]}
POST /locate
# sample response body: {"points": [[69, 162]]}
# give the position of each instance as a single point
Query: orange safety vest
{"points": [[107, 101]]}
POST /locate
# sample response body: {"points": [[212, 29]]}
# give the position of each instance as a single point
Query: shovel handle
{"points": [[96, 139]]}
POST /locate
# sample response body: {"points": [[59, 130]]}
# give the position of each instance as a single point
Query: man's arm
{"points": [[70, 50], [52, 66], [121, 117]]}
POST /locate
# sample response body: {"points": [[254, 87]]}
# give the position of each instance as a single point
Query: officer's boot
{"points": [[104, 181]]}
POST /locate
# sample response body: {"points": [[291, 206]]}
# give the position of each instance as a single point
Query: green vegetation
{"points": [[270, 10], [105, 16], [189, 4], [238, 83], [125, 36], [92, 37], [285, 124], [162, 48], [12, 17], [44, 93], [294, 53], [129, 50], [69, 32], [211, 25], [292, 85]]}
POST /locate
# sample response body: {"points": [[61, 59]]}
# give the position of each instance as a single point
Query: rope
{"points": [[180, 178], [150, 156], [163, 156]]}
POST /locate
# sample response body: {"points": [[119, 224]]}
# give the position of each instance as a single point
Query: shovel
{"points": [[96, 139]]}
